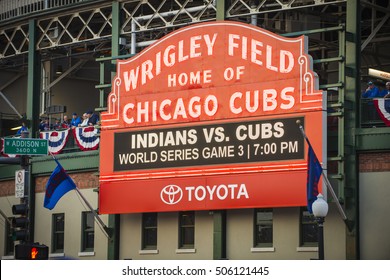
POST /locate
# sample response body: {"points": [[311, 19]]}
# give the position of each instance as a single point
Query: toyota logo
{"points": [[171, 194]]}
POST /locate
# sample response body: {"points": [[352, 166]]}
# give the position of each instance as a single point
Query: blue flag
{"points": [[59, 184], [314, 171]]}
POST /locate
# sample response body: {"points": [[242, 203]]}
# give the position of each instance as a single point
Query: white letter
{"points": [[266, 130], [207, 76], [182, 57], [194, 78], [125, 118], [194, 46], [287, 97], [194, 110], [233, 109], [211, 99], [210, 44], [228, 74], [143, 111], [256, 52], [189, 189], [269, 96], [240, 136], [171, 80], [242, 191], [165, 117], [232, 192], [240, 72], [279, 130], [147, 67], [180, 109], [269, 60], [232, 45], [255, 101], [131, 78], [283, 55], [211, 191], [202, 195], [169, 59], [222, 196]]}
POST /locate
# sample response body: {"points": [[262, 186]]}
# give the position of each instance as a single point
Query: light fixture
{"points": [[16, 127], [320, 210], [320, 207], [59, 70]]}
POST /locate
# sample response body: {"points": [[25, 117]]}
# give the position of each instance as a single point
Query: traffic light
{"points": [[31, 251], [20, 224]]}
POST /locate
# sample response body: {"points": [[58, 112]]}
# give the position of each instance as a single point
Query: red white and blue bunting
{"points": [[87, 138], [2, 150], [382, 106], [57, 140]]}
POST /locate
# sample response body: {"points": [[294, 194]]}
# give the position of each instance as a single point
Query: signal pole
{"points": [[27, 249]]}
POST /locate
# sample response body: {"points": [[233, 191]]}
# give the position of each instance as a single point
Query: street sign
{"points": [[19, 183], [25, 146]]}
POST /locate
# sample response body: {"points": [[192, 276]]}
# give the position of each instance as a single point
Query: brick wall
{"points": [[85, 180], [7, 188], [374, 162], [82, 180]]}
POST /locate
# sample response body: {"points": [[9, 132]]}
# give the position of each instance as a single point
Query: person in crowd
{"points": [[85, 120], [23, 128], [65, 122], [371, 91], [57, 125], [386, 92], [44, 125], [92, 118], [75, 120]]}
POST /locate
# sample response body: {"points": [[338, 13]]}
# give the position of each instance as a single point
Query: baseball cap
{"points": [[74, 114], [369, 83]]}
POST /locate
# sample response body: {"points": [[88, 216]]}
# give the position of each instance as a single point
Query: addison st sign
{"points": [[205, 119]]}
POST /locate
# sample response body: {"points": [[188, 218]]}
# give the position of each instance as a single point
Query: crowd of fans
{"points": [[89, 118], [372, 91]]}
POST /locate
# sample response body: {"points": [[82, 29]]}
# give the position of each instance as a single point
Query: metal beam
{"points": [[33, 80], [221, 10], [375, 31], [10, 104], [352, 93], [114, 219], [219, 235], [7, 160], [66, 73]]}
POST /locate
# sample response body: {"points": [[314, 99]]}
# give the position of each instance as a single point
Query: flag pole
{"points": [[5, 218], [107, 231], [328, 185]]}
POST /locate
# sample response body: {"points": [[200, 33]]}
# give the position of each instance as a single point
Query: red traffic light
{"points": [[32, 251]]}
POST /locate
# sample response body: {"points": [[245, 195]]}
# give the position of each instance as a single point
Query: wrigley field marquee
{"points": [[205, 118]]}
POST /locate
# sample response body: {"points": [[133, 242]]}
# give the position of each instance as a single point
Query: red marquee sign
{"points": [[205, 118]]}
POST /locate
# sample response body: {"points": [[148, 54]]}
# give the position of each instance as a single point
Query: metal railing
{"points": [[369, 116], [10, 9]]}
